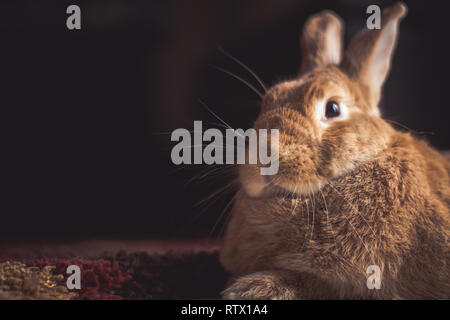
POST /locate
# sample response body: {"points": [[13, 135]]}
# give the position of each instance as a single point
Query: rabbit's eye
{"points": [[332, 109]]}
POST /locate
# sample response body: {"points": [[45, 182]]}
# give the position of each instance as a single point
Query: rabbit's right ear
{"points": [[367, 58], [321, 41]]}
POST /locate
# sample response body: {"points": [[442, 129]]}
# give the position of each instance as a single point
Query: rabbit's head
{"points": [[328, 117]]}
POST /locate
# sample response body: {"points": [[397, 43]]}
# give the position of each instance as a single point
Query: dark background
{"points": [[86, 115]]}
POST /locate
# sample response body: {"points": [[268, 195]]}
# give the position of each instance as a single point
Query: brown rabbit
{"points": [[351, 191]]}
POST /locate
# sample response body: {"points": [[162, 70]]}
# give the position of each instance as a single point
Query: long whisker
{"points": [[348, 220], [169, 133], [350, 204], [219, 118], [203, 145], [307, 209], [351, 224], [240, 79], [206, 203], [211, 172], [244, 66], [353, 207], [216, 172], [221, 215], [409, 129], [362, 241], [328, 219], [213, 113], [217, 124], [313, 206], [307, 223], [228, 216], [296, 201], [215, 193]]}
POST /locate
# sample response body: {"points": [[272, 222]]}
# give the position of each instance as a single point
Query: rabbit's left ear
{"points": [[321, 41], [367, 58]]}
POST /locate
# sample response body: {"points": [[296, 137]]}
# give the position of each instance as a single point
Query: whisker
{"points": [[348, 220], [215, 172], [211, 171], [244, 66], [307, 223], [353, 207], [214, 197], [215, 193], [351, 224], [217, 124], [409, 129], [240, 79], [328, 219], [203, 145], [362, 241], [221, 215], [169, 133], [228, 216], [296, 201], [219, 118], [313, 206]]}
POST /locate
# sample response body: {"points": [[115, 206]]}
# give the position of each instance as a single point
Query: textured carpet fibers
{"points": [[140, 275]]}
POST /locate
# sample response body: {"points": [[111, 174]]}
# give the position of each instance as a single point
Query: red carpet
{"points": [[187, 272]]}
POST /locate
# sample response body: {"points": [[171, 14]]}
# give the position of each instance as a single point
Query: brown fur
{"points": [[348, 195]]}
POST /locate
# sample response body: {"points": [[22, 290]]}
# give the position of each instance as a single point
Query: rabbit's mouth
{"points": [[292, 190], [258, 186], [280, 192]]}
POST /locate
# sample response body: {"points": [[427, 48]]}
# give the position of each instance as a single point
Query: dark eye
{"points": [[332, 109]]}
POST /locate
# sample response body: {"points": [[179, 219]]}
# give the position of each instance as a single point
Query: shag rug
{"points": [[185, 271]]}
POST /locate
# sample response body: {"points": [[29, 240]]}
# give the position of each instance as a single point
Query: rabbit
{"points": [[353, 195]]}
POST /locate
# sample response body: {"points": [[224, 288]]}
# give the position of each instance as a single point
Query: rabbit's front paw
{"points": [[259, 286]]}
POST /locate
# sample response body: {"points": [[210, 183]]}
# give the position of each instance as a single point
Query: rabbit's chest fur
{"points": [[387, 212]]}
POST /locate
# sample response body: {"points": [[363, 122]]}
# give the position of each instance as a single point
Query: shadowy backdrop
{"points": [[87, 115]]}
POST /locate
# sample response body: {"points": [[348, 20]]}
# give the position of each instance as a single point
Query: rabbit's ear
{"points": [[368, 56], [321, 41]]}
